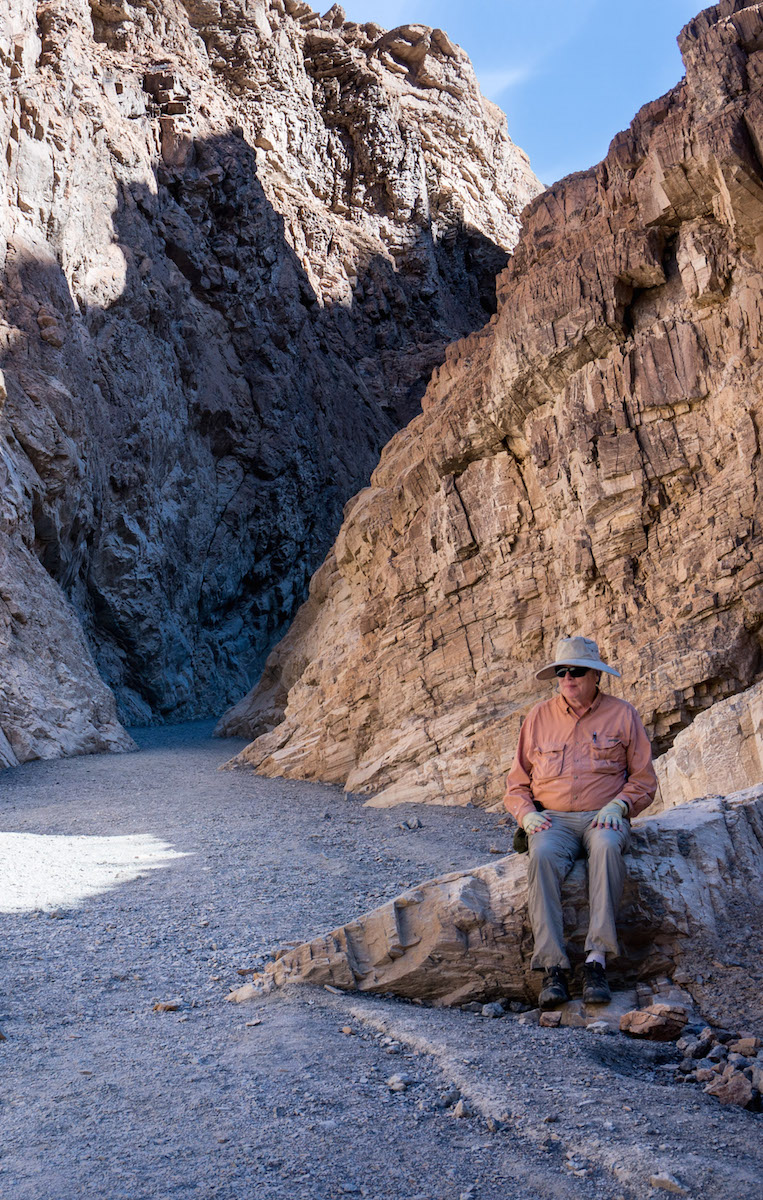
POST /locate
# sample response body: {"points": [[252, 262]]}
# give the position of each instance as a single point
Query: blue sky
{"points": [[569, 74]]}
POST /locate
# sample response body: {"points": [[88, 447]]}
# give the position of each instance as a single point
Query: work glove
{"points": [[610, 816], [535, 821]]}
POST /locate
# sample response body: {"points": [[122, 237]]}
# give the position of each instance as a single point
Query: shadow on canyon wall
{"points": [[188, 443]]}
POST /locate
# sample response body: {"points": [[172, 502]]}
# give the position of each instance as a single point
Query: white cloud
{"points": [[494, 83]]}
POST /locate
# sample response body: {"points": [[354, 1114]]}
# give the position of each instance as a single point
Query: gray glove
{"points": [[611, 816], [535, 821]]}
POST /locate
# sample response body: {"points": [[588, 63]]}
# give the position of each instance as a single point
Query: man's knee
{"points": [[606, 843], [543, 853], [541, 845]]}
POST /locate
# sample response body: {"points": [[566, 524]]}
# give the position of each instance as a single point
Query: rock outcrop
{"points": [[721, 750], [692, 898], [589, 462], [235, 239], [656, 1022]]}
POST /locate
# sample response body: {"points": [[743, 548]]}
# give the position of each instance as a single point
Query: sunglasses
{"points": [[575, 672]]}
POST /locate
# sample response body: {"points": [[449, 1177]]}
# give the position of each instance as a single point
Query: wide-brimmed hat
{"points": [[576, 652]]}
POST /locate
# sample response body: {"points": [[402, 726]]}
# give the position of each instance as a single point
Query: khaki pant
{"points": [[552, 854]]}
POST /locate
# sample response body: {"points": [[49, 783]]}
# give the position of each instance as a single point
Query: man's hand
{"points": [[610, 816], [535, 821]]}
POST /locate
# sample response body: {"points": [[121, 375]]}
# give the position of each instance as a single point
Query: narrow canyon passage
{"points": [[179, 876]]}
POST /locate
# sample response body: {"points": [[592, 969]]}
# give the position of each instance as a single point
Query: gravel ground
{"points": [[287, 1096]]}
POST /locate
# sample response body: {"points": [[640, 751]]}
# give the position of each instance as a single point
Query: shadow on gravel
{"points": [[629, 1059]]}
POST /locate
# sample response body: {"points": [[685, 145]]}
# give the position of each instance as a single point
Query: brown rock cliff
{"points": [[235, 240], [721, 749], [589, 462]]}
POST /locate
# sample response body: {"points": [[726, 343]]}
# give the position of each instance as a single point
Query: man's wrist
{"points": [[533, 821], [527, 806], [623, 805]]}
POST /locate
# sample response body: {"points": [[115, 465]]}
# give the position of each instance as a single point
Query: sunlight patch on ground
{"points": [[44, 871]]}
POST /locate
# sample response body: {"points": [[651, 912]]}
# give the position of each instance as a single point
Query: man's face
{"points": [[580, 691]]}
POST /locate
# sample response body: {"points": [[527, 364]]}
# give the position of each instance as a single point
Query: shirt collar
{"points": [[571, 712]]}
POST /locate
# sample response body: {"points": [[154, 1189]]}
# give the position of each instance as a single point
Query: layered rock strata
{"points": [[721, 749], [235, 240], [692, 901], [588, 463]]}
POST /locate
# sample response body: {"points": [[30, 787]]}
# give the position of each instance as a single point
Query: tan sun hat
{"points": [[576, 652]]}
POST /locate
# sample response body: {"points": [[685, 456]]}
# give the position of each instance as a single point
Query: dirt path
{"points": [[195, 874]]}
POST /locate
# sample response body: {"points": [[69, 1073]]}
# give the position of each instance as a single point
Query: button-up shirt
{"points": [[571, 763]]}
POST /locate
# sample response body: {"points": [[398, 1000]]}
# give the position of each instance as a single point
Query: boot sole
{"points": [[552, 1001], [596, 996]]}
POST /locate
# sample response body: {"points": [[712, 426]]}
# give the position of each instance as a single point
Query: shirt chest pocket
{"points": [[607, 755], [548, 761]]}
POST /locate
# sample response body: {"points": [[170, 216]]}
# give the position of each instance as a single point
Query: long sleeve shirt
{"points": [[571, 763]]}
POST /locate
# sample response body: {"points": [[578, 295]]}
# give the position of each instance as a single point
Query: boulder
{"points": [[550, 1020], [734, 1088], [693, 883], [656, 1023], [747, 1046], [721, 751]]}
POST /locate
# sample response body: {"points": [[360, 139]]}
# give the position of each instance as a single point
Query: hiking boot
{"points": [[595, 986], [554, 990]]}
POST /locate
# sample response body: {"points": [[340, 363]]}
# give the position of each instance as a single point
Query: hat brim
{"points": [[549, 671]]}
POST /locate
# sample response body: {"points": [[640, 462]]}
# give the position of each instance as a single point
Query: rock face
{"points": [[588, 463], [721, 749], [692, 892], [656, 1022], [236, 238]]}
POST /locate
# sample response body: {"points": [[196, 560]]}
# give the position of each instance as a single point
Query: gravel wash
{"points": [[126, 1075]]}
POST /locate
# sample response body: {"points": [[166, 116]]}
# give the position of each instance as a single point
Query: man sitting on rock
{"points": [[582, 769]]}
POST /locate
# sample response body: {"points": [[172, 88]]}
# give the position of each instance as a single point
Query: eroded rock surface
{"points": [[588, 463], [691, 894], [656, 1022], [721, 749], [236, 238]]}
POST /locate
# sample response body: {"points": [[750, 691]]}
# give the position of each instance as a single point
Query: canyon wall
{"points": [[589, 462], [235, 239], [722, 749]]}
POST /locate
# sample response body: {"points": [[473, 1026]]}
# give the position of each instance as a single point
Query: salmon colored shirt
{"points": [[577, 764]]}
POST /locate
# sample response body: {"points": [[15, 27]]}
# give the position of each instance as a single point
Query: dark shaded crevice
{"points": [[469, 551], [287, 404], [708, 692]]}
